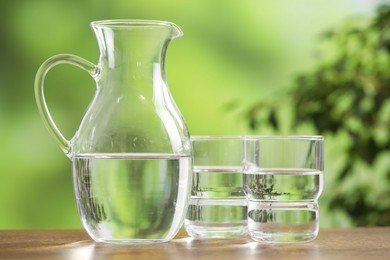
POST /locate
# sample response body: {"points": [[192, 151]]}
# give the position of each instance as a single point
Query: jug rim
{"points": [[133, 23]]}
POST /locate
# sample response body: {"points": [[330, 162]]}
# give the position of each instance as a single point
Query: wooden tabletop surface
{"points": [[353, 243]]}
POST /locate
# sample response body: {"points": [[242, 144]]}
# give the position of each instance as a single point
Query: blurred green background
{"points": [[234, 55]]}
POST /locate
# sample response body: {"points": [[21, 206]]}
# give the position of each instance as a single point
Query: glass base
{"points": [[212, 232], [283, 237], [283, 222], [131, 241]]}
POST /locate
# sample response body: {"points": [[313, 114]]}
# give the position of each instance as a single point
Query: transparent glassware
{"points": [[283, 179], [218, 207], [131, 154]]}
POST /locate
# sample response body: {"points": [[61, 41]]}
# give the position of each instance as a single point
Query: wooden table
{"points": [[355, 243]]}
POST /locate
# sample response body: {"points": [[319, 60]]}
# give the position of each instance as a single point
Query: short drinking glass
{"points": [[217, 208], [283, 178]]}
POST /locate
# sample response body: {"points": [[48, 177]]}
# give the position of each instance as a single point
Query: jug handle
{"points": [[77, 61]]}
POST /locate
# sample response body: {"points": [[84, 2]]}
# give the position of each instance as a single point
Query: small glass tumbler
{"points": [[218, 207], [283, 179]]}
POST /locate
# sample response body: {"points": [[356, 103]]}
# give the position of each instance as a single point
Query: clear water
{"points": [[217, 207], [283, 222], [216, 182], [283, 184], [132, 198], [282, 204], [216, 218]]}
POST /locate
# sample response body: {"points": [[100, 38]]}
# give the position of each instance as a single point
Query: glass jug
{"points": [[131, 154]]}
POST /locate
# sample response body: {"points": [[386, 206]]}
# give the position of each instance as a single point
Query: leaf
{"points": [[272, 119]]}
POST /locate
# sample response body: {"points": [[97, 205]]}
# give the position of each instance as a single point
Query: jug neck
{"points": [[134, 45]]}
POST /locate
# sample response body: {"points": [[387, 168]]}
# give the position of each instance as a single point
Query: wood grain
{"points": [[354, 243]]}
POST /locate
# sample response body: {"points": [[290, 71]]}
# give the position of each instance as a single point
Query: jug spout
{"points": [[176, 31]]}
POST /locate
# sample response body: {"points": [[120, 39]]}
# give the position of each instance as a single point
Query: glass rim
{"points": [[255, 137], [285, 137], [215, 137]]}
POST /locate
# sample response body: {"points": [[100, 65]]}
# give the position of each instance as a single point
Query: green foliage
{"points": [[348, 95]]}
